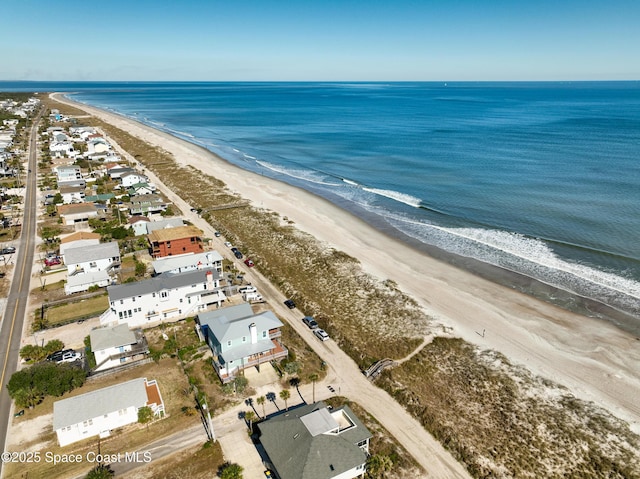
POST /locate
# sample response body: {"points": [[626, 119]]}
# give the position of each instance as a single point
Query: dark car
{"points": [[8, 250], [238, 254], [309, 321], [290, 304]]}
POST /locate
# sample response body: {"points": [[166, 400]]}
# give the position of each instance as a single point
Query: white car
{"points": [[321, 334], [70, 357], [227, 244]]}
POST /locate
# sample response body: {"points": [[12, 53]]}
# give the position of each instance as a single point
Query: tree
{"points": [[231, 471], [285, 395], [29, 386], [100, 472], [378, 465], [261, 400], [313, 378], [250, 416], [145, 415]]}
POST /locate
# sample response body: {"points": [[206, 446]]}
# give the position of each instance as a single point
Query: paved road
{"points": [[14, 315]]}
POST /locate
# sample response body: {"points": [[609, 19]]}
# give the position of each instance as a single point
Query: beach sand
{"points": [[592, 358]]}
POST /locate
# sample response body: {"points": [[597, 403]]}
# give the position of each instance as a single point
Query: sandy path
{"points": [[596, 361]]}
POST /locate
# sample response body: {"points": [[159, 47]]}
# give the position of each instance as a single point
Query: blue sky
{"points": [[247, 40]]}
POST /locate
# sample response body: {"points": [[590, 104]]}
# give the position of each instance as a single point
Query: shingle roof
{"points": [[169, 223], [115, 337], [159, 283], [92, 252], [303, 443], [77, 409], [169, 263], [76, 209], [80, 235]]}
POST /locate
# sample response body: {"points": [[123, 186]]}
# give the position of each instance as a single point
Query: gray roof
{"points": [[74, 410], [92, 252], [303, 443], [169, 223], [169, 263], [115, 337], [232, 323], [85, 278], [159, 283]]}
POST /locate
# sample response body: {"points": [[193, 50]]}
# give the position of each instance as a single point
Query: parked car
{"points": [[238, 254], [8, 250], [309, 321], [247, 289], [321, 334], [227, 244], [70, 356], [249, 262], [290, 304], [52, 261], [217, 233]]}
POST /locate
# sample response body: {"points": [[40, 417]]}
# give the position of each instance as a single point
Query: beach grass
{"points": [[497, 419]]}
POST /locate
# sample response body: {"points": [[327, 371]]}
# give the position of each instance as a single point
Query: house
{"points": [[314, 441], [174, 241], [82, 282], [117, 345], [68, 173], [98, 412], [117, 171], [97, 145], [92, 258], [62, 148], [144, 204], [130, 179], [141, 189], [240, 339], [72, 194], [188, 262], [138, 224], [162, 224], [164, 297], [77, 214], [76, 240]]}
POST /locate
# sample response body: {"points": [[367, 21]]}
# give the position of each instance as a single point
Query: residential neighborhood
{"points": [[104, 220]]}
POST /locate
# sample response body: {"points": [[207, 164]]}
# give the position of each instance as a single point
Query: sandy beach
{"points": [[595, 360]]}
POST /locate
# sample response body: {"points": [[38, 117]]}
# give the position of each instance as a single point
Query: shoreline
{"points": [[596, 360]]}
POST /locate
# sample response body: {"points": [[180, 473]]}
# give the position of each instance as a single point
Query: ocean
{"points": [[538, 179]]}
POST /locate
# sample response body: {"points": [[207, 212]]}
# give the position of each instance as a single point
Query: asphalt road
{"points": [[14, 315]]}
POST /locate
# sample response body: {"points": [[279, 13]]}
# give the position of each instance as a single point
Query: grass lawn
{"points": [[86, 308]]}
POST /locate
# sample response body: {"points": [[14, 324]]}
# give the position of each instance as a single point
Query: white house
{"points": [[141, 189], [240, 339], [188, 262], [82, 282], [72, 194], [76, 240], [164, 297], [68, 173], [62, 148], [77, 214], [130, 179], [97, 146], [115, 346], [93, 258], [98, 412]]}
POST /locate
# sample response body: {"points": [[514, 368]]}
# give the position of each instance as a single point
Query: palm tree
{"points": [[285, 395], [250, 416], [313, 378], [378, 464], [261, 401]]}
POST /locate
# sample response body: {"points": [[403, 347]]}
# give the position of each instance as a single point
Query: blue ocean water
{"points": [[537, 178]]}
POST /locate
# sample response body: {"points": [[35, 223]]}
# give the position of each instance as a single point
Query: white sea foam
{"points": [[397, 196], [249, 157], [529, 256], [300, 174], [350, 182]]}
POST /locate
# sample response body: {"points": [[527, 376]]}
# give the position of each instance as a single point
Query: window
{"points": [[244, 339], [228, 343], [92, 264], [264, 334], [164, 294]]}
